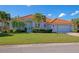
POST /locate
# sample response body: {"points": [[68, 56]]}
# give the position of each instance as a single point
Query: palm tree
{"points": [[38, 17], [17, 23], [76, 22], [5, 17]]}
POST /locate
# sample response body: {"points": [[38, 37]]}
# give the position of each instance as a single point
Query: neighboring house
{"points": [[57, 25]]}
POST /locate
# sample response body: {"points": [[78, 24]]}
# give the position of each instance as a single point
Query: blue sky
{"points": [[52, 11]]}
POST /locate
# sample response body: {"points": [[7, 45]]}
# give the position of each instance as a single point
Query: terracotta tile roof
{"points": [[50, 21], [27, 16], [61, 21], [31, 16]]}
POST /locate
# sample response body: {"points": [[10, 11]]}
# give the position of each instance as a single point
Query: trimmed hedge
{"points": [[17, 31], [38, 30], [5, 34]]}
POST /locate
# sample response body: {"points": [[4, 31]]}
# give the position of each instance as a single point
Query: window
{"points": [[44, 25], [53, 25]]}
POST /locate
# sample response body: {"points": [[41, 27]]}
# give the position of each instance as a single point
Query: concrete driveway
{"points": [[73, 34], [41, 48]]}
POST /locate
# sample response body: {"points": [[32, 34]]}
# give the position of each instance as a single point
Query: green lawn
{"points": [[28, 38]]}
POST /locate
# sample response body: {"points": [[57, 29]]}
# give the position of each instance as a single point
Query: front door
{"points": [[28, 28]]}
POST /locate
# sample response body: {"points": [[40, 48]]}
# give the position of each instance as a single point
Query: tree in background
{"points": [[17, 23], [76, 23], [76, 20], [38, 17], [5, 17]]}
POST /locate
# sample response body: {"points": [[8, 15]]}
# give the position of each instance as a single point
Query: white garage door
{"points": [[64, 28]]}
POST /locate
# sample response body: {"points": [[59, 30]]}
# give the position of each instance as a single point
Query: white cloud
{"points": [[49, 15], [61, 14], [76, 12], [28, 5]]}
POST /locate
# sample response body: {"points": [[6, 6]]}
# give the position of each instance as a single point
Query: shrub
{"points": [[19, 31], [5, 34], [5, 31], [77, 30], [16, 31], [39, 30], [12, 31]]}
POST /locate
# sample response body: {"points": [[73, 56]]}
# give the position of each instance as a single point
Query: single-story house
{"points": [[57, 24]]}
